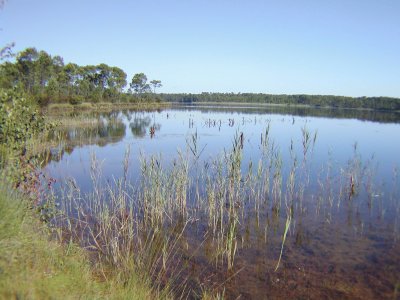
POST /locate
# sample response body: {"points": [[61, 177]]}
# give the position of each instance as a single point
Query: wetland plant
{"points": [[188, 205], [287, 225]]}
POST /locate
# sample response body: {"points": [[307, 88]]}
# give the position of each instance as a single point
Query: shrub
{"points": [[19, 119], [75, 100]]}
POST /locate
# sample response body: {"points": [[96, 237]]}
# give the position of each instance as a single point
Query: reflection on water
{"points": [[104, 130], [364, 115], [142, 125], [334, 180]]}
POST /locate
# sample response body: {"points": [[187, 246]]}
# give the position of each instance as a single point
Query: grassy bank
{"points": [[36, 260], [34, 267], [102, 107]]}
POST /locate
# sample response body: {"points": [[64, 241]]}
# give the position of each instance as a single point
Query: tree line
{"points": [[49, 80], [375, 103]]}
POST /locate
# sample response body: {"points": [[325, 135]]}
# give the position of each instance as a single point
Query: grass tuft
{"points": [[32, 266]]}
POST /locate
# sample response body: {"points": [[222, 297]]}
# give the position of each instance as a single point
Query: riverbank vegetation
{"points": [[36, 260], [33, 266], [372, 103], [56, 109]]}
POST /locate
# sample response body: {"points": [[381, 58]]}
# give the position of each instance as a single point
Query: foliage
{"points": [[155, 84], [49, 80], [373, 103], [19, 119], [139, 83]]}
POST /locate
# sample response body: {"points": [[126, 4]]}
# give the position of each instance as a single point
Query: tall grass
{"points": [[159, 226], [35, 267], [129, 229]]}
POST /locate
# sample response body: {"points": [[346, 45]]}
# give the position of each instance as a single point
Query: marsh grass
{"points": [[287, 225], [33, 266], [81, 120], [159, 225], [61, 108], [127, 229]]}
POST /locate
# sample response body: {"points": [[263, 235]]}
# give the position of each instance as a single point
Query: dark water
{"points": [[341, 244]]}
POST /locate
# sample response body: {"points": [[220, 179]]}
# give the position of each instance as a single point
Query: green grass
{"points": [[32, 266]]}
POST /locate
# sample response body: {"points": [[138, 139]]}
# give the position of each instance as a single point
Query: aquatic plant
{"points": [[287, 225], [205, 213]]}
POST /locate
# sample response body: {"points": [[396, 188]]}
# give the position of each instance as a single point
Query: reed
{"points": [[287, 225], [231, 243], [173, 209], [124, 229]]}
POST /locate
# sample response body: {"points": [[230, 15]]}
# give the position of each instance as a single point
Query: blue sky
{"points": [[340, 47]]}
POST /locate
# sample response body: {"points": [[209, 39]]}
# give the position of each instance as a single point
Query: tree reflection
{"points": [[108, 129], [141, 125]]}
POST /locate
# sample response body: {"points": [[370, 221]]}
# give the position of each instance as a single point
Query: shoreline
{"points": [[52, 109], [211, 104]]}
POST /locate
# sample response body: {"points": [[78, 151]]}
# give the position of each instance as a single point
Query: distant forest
{"points": [[375, 103]]}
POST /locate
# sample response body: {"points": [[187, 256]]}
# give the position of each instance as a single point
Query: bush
{"points": [[75, 100], [19, 119], [43, 99]]}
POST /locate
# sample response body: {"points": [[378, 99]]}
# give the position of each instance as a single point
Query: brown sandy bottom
{"points": [[327, 262]]}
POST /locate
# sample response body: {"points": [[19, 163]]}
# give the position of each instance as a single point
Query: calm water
{"points": [[340, 244]]}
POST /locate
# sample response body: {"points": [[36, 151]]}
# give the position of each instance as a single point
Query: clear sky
{"points": [[340, 47]]}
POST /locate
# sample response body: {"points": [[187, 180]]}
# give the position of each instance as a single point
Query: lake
{"points": [[272, 202]]}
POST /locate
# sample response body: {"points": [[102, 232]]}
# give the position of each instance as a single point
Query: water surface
{"points": [[343, 236]]}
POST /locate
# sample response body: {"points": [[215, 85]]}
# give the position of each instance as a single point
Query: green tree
{"points": [[58, 64], [43, 70], [117, 79], [67, 80], [155, 84], [139, 83], [26, 62], [47, 79], [9, 75]]}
